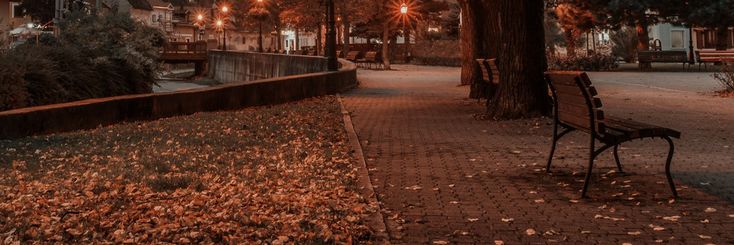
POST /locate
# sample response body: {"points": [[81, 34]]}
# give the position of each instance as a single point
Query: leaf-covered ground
{"points": [[260, 175]]}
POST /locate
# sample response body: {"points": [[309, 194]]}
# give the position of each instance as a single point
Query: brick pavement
{"points": [[444, 177]]}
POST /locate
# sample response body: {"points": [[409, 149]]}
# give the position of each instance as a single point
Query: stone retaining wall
{"points": [[234, 66], [93, 113]]}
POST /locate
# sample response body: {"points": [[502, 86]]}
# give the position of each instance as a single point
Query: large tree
{"points": [[512, 31], [718, 14]]}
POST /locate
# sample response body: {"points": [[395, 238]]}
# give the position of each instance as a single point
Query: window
{"points": [[16, 10], [677, 39]]}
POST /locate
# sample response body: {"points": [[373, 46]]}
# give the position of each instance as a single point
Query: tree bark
{"points": [[298, 40], [722, 38], [386, 44], [643, 40], [479, 39], [522, 91], [318, 40]]}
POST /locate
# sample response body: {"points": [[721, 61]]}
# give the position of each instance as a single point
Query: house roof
{"points": [[140, 4], [160, 3]]}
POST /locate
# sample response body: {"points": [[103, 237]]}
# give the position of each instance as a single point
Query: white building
{"points": [[670, 37]]}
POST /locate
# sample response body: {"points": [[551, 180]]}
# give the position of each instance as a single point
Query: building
{"points": [[13, 23], [669, 37]]}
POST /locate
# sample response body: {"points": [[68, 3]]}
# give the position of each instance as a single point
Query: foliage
{"points": [[726, 78], [94, 56], [12, 86], [591, 62], [624, 43]]}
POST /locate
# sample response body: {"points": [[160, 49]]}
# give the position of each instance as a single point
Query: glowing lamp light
{"points": [[404, 8], [220, 23], [259, 1], [225, 9], [200, 17]]}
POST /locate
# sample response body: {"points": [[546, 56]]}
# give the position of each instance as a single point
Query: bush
{"points": [[12, 86], [592, 62], [625, 44], [95, 56], [726, 78]]}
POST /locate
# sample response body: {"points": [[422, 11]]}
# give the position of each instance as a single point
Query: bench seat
{"points": [[620, 130]]}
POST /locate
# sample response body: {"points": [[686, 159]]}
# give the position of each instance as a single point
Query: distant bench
{"points": [[663, 57], [713, 56], [577, 107]]}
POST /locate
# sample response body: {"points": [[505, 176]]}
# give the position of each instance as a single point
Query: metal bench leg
{"points": [[592, 155], [556, 137], [667, 167], [616, 159]]}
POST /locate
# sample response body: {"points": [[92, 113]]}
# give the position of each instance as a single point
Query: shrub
{"points": [[13, 93], [726, 78], [625, 44], [592, 62], [95, 56]]}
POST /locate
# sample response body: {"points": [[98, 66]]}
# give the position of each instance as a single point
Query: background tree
{"points": [[718, 14], [575, 19]]}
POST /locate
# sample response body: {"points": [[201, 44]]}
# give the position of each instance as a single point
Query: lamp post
{"points": [[200, 29], [225, 10], [333, 63], [220, 24], [406, 37]]}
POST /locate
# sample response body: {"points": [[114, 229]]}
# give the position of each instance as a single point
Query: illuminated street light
{"points": [[220, 23], [225, 9], [200, 17], [404, 9]]}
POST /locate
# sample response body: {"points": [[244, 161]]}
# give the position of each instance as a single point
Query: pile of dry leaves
{"points": [[279, 174]]}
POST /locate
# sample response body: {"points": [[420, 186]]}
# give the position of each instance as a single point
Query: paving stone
{"points": [[418, 130]]}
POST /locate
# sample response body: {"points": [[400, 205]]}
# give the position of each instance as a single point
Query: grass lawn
{"points": [[270, 174]]}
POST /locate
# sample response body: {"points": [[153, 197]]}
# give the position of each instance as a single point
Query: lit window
{"points": [[676, 39]]}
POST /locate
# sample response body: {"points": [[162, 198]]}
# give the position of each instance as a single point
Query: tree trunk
{"points": [[346, 34], [643, 40], [722, 38], [318, 40], [279, 39], [522, 91], [479, 39], [298, 40], [386, 44], [570, 43]]}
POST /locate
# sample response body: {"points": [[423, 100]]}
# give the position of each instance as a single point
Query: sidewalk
{"points": [[444, 177]]}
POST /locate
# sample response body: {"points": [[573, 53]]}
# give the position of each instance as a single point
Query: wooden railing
{"points": [[184, 51]]}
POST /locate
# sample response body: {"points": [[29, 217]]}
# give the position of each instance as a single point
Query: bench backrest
{"points": [[490, 72], [662, 56], [370, 56], [575, 101], [715, 55]]}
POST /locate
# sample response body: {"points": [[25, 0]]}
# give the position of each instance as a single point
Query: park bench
{"points": [[713, 56], [577, 108], [369, 59], [352, 56], [663, 57], [490, 73]]}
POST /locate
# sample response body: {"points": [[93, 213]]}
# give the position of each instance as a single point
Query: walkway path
{"points": [[443, 177]]}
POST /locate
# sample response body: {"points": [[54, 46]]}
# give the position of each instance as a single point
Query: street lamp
{"points": [[260, 26], [406, 36], [220, 24], [225, 10]]}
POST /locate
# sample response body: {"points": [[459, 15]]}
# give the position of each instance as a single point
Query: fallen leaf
{"points": [[507, 220], [704, 237], [441, 242], [530, 231], [634, 233], [709, 210]]}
